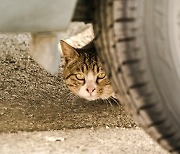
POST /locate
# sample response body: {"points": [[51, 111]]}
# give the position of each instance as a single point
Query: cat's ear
{"points": [[68, 51]]}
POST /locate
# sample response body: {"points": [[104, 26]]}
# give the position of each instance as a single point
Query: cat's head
{"points": [[83, 73]]}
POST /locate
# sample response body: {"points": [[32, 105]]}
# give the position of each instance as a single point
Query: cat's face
{"points": [[84, 75]]}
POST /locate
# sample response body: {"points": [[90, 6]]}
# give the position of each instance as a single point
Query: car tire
{"points": [[138, 42]]}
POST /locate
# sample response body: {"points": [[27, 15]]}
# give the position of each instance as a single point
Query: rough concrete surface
{"points": [[31, 100], [80, 141]]}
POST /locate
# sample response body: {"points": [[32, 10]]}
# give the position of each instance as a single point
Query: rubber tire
{"points": [[137, 41]]}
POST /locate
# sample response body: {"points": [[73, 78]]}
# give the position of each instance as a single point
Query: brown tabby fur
{"points": [[82, 61]]}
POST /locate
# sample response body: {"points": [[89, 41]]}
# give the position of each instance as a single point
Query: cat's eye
{"points": [[101, 75], [80, 76]]}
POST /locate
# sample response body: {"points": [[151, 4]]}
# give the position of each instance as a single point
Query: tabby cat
{"points": [[83, 72]]}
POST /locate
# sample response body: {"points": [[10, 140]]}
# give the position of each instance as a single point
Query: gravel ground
{"points": [[33, 100], [39, 115], [80, 141]]}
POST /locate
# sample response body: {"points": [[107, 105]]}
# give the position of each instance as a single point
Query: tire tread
{"points": [[128, 63]]}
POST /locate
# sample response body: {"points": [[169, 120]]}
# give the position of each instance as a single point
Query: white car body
{"points": [[43, 19]]}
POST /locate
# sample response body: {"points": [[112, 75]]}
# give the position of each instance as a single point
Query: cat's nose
{"points": [[90, 90]]}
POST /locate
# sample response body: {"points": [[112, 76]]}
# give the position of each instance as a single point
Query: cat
{"points": [[83, 72]]}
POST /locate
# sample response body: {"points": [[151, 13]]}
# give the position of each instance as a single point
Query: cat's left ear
{"points": [[68, 51]]}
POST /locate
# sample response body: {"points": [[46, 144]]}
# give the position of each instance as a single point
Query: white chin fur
{"points": [[87, 96], [91, 98], [84, 94]]}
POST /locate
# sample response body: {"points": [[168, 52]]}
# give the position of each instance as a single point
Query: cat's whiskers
{"points": [[105, 102], [116, 101], [83, 73], [108, 102]]}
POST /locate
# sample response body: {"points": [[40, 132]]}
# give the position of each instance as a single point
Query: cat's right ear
{"points": [[68, 51]]}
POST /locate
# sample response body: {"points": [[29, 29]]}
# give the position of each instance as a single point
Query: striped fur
{"points": [[85, 62]]}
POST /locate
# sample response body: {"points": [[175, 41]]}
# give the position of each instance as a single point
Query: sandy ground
{"points": [[32, 101]]}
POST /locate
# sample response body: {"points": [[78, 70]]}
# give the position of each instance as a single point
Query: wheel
{"points": [[139, 44]]}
